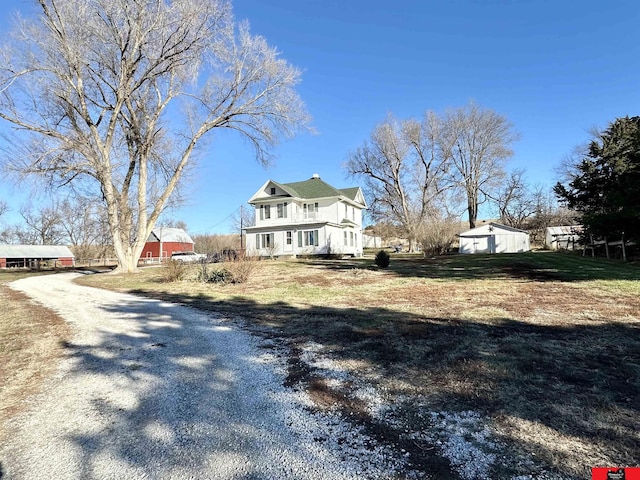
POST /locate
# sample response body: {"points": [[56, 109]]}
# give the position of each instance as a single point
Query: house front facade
{"points": [[306, 218]]}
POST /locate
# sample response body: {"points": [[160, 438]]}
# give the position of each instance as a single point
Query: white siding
{"points": [[494, 238], [329, 219]]}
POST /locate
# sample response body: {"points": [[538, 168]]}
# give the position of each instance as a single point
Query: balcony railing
{"points": [[308, 217]]}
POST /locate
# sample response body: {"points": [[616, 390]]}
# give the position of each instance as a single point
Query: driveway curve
{"points": [[153, 390]]}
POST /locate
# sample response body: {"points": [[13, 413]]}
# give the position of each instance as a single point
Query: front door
{"points": [[492, 244], [288, 242]]}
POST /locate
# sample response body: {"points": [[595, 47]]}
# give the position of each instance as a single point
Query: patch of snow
{"points": [[465, 438], [466, 441]]}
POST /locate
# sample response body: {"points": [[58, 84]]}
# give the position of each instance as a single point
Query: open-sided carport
{"points": [[33, 256]]}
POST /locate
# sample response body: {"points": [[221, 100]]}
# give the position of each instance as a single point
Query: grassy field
{"points": [[545, 345], [30, 343]]}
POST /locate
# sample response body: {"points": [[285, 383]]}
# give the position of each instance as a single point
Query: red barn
{"points": [[35, 256], [164, 241]]}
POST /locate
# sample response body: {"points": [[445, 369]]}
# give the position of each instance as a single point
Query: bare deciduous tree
{"points": [[120, 93], [516, 201], [85, 224], [209, 244], [5, 234], [42, 226], [477, 142], [402, 172], [173, 223], [548, 213], [242, 218]]}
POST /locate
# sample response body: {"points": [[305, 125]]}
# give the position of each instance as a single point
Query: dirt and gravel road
{"points": [[154, 390]]}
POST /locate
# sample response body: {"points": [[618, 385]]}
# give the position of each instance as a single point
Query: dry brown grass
{"points": [[31, 339], [546, 346]]}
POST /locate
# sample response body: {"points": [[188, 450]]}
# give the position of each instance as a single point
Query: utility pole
{"points": [[241, 220]]}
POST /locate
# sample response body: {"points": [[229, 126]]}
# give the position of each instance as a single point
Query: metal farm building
{"points": [[494, 238], [164, 241], [35, 256]]}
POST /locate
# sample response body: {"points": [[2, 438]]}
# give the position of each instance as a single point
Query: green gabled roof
{"points": [[312, 188], [350, 193]]}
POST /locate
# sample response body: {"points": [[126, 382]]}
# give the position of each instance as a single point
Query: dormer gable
{"points": [[355, 195], [270, 190]]}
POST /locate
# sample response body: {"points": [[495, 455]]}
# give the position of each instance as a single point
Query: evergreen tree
{"points": [[605, 188]]}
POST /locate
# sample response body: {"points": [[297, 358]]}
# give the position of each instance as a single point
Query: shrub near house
{"points": [[306, 218]]}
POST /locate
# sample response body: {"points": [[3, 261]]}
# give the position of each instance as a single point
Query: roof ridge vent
{"points": [[315, 175]]}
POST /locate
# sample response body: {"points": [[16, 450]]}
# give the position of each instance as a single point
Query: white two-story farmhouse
{"points": [[306, 218]]}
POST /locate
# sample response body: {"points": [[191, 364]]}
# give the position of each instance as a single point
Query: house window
{"points": [[264, 240], [282, 210], [265, 212], [345, 238], [353, 213], [346, 208], [307, 238], [311, 237], [310, 209], [273, 191], [351, 239], [289, 238]]}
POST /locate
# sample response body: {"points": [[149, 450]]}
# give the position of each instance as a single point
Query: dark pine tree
{"points": [[605, 189]]}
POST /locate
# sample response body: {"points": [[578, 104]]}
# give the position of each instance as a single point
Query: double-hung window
{"points": [[264, 240], [281, 209], [289, 238], [308, 238], [265, 212]]}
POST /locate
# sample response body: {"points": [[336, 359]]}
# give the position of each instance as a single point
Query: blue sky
{"points": [[553, 68]]}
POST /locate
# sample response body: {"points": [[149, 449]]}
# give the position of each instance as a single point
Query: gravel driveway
{"points": [[153, 390]]}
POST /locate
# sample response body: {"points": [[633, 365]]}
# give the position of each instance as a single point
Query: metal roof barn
{"points": [[164, 241], [28, 255]]}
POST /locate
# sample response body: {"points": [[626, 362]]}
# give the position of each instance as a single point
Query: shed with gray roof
{"points": [[566, 237], [32, 256], [494, 238]]}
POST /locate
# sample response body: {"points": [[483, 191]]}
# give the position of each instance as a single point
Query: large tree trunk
{"points": [[128, 257], [473, 214]]}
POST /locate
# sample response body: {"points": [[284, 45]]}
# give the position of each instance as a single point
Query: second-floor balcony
{"points": [[301, 217], [309, 217]]}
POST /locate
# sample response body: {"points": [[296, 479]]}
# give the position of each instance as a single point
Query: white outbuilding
{"points": [[494, 238], [567, 237]]}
